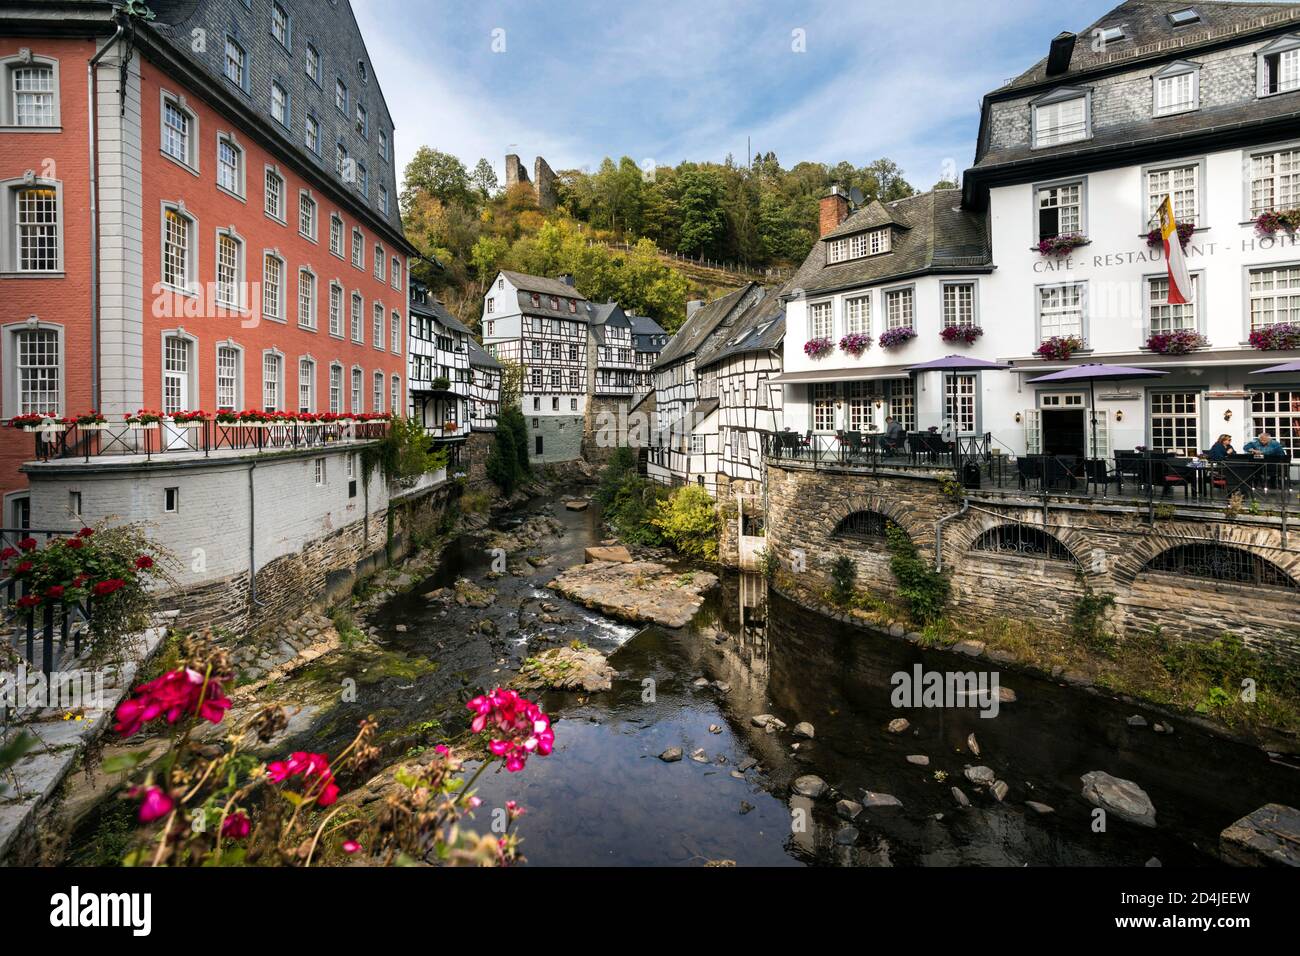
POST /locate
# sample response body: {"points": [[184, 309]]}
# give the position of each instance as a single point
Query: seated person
{"points": [[894, 434], [1265, 446], [1221, 449]]}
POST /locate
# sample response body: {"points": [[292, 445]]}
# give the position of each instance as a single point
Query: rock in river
{"points": [[637, 590], [872, 799], [566, 668], [803, 729], [767, 722], [1267, 836], [899, 725], [1124, 798], [848, 809], [810, 785], [671, 755], [616, 553], [984, 776]]}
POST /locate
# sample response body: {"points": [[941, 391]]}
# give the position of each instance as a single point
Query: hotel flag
{"points": [[1180, 283]]}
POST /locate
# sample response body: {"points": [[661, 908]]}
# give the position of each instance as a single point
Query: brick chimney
{"points": [[834, 210]]}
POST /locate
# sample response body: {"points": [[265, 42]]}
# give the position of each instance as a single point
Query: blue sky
{"points": [[667, 80]]}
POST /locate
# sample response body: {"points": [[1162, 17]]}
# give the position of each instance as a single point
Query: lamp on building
{"points": [[1227, 414], [1018, 418], [1119, 414]]}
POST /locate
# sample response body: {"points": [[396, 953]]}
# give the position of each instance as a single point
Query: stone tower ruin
{"points": [[542, 182]]}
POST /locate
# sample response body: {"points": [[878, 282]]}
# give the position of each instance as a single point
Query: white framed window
{"points": [[900, 308], [311, 133], [1175, 421], [176, 380], [1061, 118], [395, 331], [230, 270], [1059, 209], [336, 310], [377, 325], [31, 91], [358, 249], [306, 299], [859, 245], [1277, 411], [280, 25], [395, 272], [272, 381], [857, 314], [823, 407], [1176, 89], [341, 96], [380, 261], [820, 320], [959, 402], [318, 472], [395, 396], [1061, 310], [383, 145], [363, 122], [230, 165], [306, 385], [179, 247], [355, 318], [311, 64], [1162, 317], [31, 236], [38, 371], [383, 200], [336, 389], [697, 444], [272, 287], [859, 406], [1274, 296], [274, 204], [336, 235], [377, 393], [227, 377], [179, 132], [342, 164], [363, 179], [357, 397], [306, 216], [1274, 180], [235, 64], [279, 104], [958, 304], [1279, 66], [1182, 184], [900, 398]]}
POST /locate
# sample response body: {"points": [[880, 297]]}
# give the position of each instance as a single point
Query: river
{"points": [[604, 796]]}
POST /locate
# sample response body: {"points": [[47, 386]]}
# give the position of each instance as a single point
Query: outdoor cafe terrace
{"points": [[1244, 483]]}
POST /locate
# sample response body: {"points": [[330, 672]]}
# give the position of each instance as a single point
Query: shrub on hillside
{"points": [[688, 522]]}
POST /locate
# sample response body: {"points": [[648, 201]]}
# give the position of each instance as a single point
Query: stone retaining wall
{"points": [[1110, 544]]}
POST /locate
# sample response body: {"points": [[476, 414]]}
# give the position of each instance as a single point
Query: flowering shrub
{"points": [[1059, 347], [1186, 230], [818, 348], [32, 420], [144, 416], [961, 333], [892, 338], [1176, 343], [1283, 335], [74, 569], [183, 418], [1061, 245], [200, 808], [855, 343], [1283, 220]]}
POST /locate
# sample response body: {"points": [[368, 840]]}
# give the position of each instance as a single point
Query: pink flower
{"points": [[517, 726], [236, 826], [351, 846], [172, 696], [153, 803], [307, 765]]}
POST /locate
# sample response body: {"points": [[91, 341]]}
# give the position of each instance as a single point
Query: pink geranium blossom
{"points": [[236, 826], [154, 803], [314, 768], [174, 695], [516, 726]]}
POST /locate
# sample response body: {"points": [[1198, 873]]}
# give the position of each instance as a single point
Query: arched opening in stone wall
{"points": [[864, 526], [1223, 563], [1024, 540]]}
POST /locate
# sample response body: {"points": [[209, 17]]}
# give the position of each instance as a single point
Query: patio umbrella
{"points": [[955, 363], [1093, 372], [1286, 368]]}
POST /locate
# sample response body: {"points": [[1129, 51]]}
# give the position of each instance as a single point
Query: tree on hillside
{"points": [[437, 174], [484, 179], [703, 222]]}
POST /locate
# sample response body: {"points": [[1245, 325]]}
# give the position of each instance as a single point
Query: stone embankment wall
{"points": [[1109, 547]]}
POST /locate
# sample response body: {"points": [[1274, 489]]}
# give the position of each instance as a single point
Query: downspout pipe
{"points": [[252, 539], [938, 532], [91, 88]]}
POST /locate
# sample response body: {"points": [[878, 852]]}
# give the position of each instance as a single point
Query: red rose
{"points": [[28, 600], [75, 543], [54, 592], [27, 544], [23, 567], [104, 588], [144, 562], [85, 532], [8, 553]]}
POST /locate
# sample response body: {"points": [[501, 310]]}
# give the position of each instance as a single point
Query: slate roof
{"points": [[542, 285], [479, 358], [697, 329], [759, 329], [702, 410], [432, 307], [1149, 33], [871, 216], [939, 236], [644, 325]]}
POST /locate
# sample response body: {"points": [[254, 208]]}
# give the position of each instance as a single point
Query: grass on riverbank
{"points": [[1223, 679]]}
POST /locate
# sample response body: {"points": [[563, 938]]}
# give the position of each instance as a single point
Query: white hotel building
{"points": [[1197, 100]]}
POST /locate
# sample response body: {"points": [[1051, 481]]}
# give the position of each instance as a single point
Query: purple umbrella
{"points": [[1284, 369], [955, 363], [1094, 372]]}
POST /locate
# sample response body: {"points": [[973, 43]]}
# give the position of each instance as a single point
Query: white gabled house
{"points": [[438, 376]]}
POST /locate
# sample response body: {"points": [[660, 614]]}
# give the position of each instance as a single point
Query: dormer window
{"points": [[1176, 89], [858, 246], [1183, 18], [1110, 34], [1279, 66], [1061, 117]]}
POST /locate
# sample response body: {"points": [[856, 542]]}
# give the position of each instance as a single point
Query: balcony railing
{"points": [[48, 636], [170, 438], [1242, 483]]}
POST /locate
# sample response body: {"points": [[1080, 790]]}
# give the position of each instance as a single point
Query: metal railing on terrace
{"points": [[172, 438], [48, 635], [1239, 483]]}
